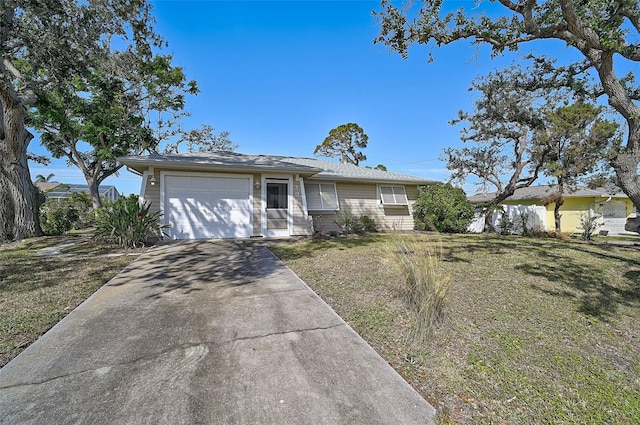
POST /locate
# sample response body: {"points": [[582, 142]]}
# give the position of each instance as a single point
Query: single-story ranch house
{"points": [[611, 204], [232, 195]]}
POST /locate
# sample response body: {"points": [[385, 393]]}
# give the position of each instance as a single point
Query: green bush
{"points": [[128, 223], [81, 202], [444, 208], [589, 224], [348, 223], [57, 217], [369, 225]]}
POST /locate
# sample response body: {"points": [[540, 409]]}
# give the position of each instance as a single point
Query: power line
{"points": [[411, 162]]}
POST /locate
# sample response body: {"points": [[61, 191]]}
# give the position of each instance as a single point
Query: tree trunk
{"points": [[556, 213], [18, 196], [493, 205], [626, 165], [94, 192]]}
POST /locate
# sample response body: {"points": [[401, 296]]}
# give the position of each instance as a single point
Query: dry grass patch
{"points": [[534, 330], [37, 291]]}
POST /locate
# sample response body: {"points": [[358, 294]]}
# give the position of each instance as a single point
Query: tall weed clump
{"points": [[425, 282]]}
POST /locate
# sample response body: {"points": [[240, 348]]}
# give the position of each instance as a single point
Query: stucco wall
{"points": [[571, 211]]}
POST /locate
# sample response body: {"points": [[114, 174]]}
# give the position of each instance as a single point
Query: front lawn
{"points": [[37, 291], [536, 330]]}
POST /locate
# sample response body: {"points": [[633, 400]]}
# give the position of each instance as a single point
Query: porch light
{"points": [[152, 180], [257, 184]]}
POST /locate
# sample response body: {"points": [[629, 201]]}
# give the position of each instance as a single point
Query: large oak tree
{"points": [[93, 120], [604, 33], [44, 45]]}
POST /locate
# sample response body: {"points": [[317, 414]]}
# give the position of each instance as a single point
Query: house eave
{"points": [[143, 164]]}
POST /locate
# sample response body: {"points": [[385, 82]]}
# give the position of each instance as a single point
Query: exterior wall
{"points": [[571, 210], [151, 193], [362, 199], [301, 223], [257, 206]]}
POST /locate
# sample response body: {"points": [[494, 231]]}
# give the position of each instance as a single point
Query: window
{"points": [[321, 196], [393, 195], [277, 196]]}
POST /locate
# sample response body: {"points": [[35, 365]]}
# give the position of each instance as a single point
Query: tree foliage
{"points": [[203, 139], [442, 207], [508, 114], [45, 46], [344, 142], [577, 140], [604, 33], [93, 119]]}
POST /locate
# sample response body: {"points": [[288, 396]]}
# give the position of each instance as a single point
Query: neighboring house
{"points": [[57, 190], [231, 195], [612, 205]]}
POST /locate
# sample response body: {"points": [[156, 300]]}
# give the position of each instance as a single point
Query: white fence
{"points": [[536, 218]]}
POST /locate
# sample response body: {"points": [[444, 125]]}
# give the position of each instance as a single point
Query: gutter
{"points": [[132, 171]]}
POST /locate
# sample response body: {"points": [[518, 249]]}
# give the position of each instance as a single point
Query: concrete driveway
{"points": [[205, 333]]}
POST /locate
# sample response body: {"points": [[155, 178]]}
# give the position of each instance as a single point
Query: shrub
{"points": [[369, 224], [425, 282], [589, 224], [506, 226], [127, 223], [444, 208], [57, 217], [348, 223]]}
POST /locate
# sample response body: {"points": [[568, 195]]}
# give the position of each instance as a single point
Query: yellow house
{"points": [[612, 206]]}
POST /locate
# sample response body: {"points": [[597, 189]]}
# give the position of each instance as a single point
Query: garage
{"points": [[207, 206], [614, 216]]}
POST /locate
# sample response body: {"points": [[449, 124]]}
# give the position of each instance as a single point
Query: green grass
{"points": [[36, 291], [535, 330]]}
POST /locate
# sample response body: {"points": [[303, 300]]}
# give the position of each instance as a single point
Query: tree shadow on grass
{"points": [[308, 248], [597, 293]]}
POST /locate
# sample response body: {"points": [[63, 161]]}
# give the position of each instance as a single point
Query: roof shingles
{"points": [[312, 167]]}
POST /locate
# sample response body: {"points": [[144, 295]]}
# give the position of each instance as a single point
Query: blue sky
{"points": [[279, 75]]}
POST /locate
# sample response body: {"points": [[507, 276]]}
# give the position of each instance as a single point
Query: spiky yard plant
{"points": [[424, 284], [128, 223]]}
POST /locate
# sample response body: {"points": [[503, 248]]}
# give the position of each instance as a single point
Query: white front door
{"points": [[276, 207]]}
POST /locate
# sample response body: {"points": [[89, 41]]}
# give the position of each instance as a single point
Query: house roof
{"points": [[64, 190], [232, 161], [45, 186], [539, 192]]}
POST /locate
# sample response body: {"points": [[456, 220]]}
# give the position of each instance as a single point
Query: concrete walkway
{"points": [[205, 333]]}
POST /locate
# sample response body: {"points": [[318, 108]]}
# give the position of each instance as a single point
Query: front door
{"points": [[276, 198]]}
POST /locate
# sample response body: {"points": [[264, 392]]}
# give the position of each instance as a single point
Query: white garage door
{"points": [[614, 214], [200, 207]]}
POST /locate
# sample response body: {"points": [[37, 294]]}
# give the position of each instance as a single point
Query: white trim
{"points": [[143, 188], [263, 205], [303, 195], [335, 191], [392, 204], [162, 184]]}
